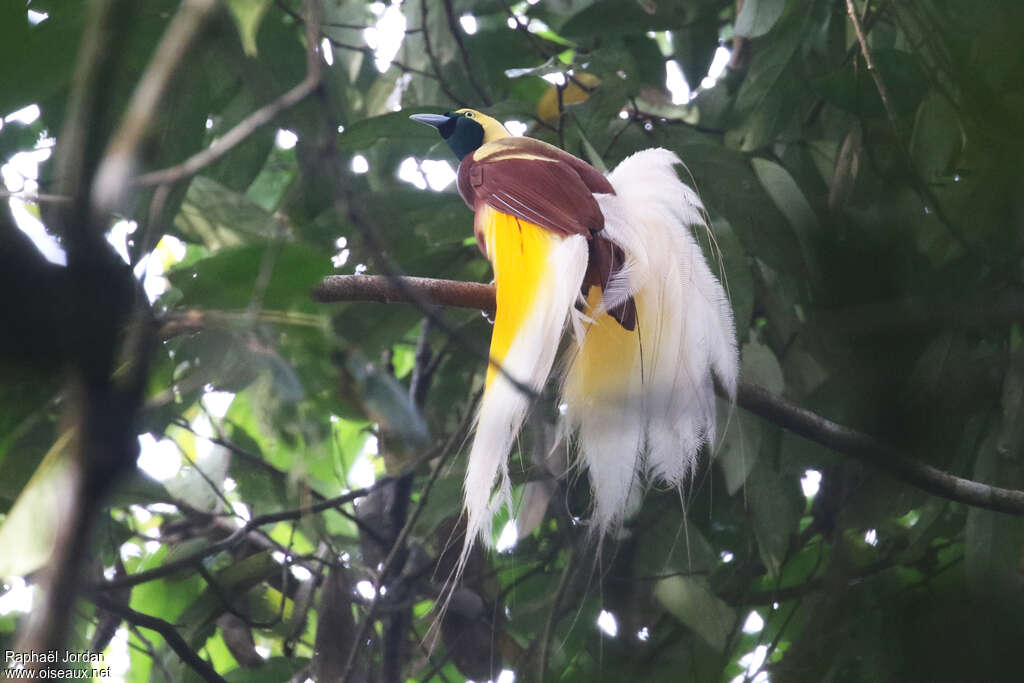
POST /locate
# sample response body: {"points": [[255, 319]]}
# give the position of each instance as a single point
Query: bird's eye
{"points": [[469, 114]]}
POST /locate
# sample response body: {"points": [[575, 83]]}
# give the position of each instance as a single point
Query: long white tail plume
{"points": [[643, 402], [529, 360]]}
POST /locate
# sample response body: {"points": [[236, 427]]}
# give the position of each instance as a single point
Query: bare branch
{"points": [[257, 521], [927, 195], [250, 124], [121, 156], [384, 289], [788, 415], [883, 92], [756, 399], [434, 62], [449, 448], [166, 630], [467, 63], [238, 536], [549, 623], [222, 145]]}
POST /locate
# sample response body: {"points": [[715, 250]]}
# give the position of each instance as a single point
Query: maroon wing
{"points": [[540, 183], [548, 193]]}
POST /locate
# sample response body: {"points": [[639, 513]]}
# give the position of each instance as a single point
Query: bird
{"points": [[613, 261]]}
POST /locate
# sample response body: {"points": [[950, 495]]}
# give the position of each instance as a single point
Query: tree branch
{"points": [[166, 630], [239, 535], [385, 289], [385, 568], [883, 92], [434, 62], [751, 397], [549, 623], [467, 63], [242, 130], [121, 156], [927, 195]]}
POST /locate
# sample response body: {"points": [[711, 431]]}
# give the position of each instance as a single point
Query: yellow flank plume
{"points": [[607, 358], [519, 252]]}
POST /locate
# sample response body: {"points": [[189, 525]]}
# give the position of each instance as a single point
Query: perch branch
{"points": [[771, 407], [385, 290]]}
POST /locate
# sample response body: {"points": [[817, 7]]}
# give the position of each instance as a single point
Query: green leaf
{"points": [[669, 547], [29, 530], [234, 580], [248, 14], [740, 446], [937, 138], [793, 204], [729, 187], [772, 65], [758, 17], [226, 279], [592, 154], [691, 600], [776, 503], [138, 488], [994, 541], [219, 218], [612, 17], [388, 402], [735, 274], [274, 670], [394, 127], [853, 90]]}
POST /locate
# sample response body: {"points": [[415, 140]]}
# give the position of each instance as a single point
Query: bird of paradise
{"points": [[614, 259]]}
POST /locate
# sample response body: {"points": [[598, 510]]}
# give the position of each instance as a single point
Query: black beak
{"points": [[435, 120]]}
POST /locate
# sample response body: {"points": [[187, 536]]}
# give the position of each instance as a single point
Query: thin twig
{"points": [[238, 536], [238, 134], [385, 568], [121, 157], [282, 477], [788, 415], [434, 62], [467, 61], [883, 92], [931, 199], [167, 631], [771, 407], [549, 625], [422, 369], [247, 126], [151, 651]]}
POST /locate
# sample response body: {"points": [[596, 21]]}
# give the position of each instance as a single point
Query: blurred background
{"points": [[178, 177]]}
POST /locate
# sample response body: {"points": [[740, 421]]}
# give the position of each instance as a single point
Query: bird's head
{"points": [[464, 129]]}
